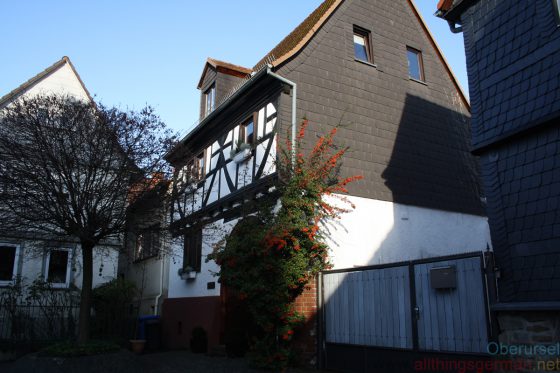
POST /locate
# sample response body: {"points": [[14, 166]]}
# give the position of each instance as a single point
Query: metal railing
{"points": [[36, 323]]}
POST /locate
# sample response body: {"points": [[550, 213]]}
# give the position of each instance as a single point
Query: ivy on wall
{"points": [[271, 255]]}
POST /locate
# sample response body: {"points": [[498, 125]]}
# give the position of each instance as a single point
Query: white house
{"points": [[58, 262]]}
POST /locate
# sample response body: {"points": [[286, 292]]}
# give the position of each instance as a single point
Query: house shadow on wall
{"points": [[429, 168]]}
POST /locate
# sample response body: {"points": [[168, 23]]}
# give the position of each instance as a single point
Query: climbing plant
{"points": [[271, 255]]}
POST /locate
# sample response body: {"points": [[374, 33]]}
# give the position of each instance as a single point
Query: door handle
{"points": [[416, 310]]}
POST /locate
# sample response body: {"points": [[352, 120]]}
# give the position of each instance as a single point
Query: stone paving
{"points": [[126, 362]]}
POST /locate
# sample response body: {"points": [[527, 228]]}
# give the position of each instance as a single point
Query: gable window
{"points": [[147, 243], [415, 65], [192, 255], [247, 131], [362, 47], [210, 99], [58, 267], [8, 263]]}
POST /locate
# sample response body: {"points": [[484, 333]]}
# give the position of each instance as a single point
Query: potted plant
{"points": [[139, 342], [187, 273], [241, 152], [199, 340], [137, 345]]}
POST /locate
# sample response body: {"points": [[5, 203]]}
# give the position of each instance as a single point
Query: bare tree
{"points": [[70, 168]]}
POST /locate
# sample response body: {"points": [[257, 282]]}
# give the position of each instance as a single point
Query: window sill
{"points": [[418, 81], [365, 62], [139, 260], [60, 286]]}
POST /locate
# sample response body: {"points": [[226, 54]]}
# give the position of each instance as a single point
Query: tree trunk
{"points": [[85, 301]]}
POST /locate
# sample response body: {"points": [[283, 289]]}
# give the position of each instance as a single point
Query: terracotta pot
{"points": [[137, 345]]}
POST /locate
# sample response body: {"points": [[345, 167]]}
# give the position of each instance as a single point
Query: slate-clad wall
{"points": [[408, 139], [513, 58]]}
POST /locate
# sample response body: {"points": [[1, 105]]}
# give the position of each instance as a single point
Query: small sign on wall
{"points": [[443, 277]]}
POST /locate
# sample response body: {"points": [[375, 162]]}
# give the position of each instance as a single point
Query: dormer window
{"points": [[247, 131], [210, 99]]}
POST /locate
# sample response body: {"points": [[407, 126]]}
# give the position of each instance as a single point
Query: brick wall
{"points": [[306, 339]]}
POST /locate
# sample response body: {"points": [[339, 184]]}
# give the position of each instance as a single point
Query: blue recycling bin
{"points": [[149, 329]]}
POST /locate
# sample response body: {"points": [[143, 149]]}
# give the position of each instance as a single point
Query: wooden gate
{"points": [[437, 305]]}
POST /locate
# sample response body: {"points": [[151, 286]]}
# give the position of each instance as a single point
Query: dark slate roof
{"points": [[226, 67], [37, 78], [302, 33]]}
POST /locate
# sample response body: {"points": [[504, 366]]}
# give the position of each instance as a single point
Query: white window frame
{"points": [[16, 263], [59, 285]]}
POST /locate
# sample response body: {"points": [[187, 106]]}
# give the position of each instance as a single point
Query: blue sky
{"points": [[130, 53]]}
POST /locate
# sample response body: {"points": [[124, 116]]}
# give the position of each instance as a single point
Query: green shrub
{"points": [[111, 303]]}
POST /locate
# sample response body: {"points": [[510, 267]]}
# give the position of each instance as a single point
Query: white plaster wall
{"points": [[105, 265], [148, 277], [31, 264], [179, 288], [61, 81], [375, 232], [378, 232]]}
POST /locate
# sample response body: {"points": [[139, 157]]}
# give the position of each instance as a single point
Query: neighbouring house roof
{"points": [[451, 9], [224, 67], [39, 77]]}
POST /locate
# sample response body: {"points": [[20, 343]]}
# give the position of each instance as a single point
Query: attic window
{"points": [[556, 5], [415, 64], [210, 99], [362, 47]]}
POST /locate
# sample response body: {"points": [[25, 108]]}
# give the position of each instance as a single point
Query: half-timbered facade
{"points": [[370, 67]]}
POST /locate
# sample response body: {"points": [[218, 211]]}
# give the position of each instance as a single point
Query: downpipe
{"points": [[293, 86]]}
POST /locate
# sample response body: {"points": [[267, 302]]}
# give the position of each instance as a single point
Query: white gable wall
{"points": [[63, 81]]}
